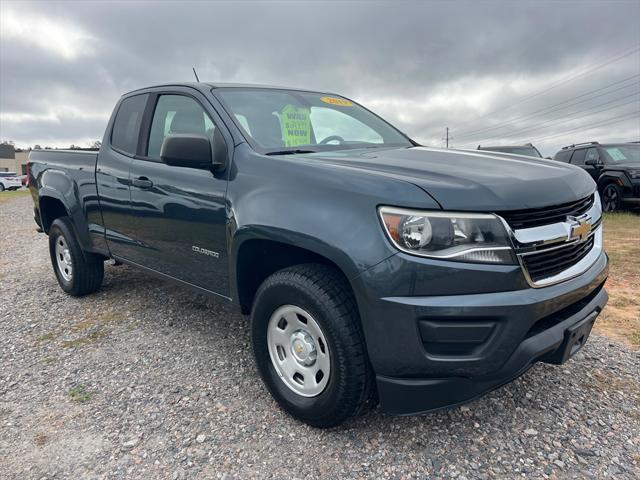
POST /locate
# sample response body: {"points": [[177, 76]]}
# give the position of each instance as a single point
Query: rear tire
{"points": [[79, 273], [325, 327], [611, 197]]}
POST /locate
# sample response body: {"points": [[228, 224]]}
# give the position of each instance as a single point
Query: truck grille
{"points": [[549, 262], [536, 217]]}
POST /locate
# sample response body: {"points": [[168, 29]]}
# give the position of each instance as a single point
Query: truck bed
{"points": [[68, 178], [68, 159]]}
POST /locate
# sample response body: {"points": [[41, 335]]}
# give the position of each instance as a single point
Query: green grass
{"points": [[79, 394], [621, 318], [8, 195]]}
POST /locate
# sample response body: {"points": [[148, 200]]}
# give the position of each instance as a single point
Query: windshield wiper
{"points": [[290, 152]]}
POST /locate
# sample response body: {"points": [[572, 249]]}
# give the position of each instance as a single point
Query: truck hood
{"points": [[471, 180]]}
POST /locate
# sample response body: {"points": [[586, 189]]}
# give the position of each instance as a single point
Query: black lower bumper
{"points": [[442, 333], [556, 344]]}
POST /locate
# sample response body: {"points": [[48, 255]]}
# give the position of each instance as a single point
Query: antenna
{"points": [[194, 72]]}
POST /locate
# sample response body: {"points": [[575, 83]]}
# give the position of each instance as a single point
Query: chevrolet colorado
{"points": [[372, 268]]}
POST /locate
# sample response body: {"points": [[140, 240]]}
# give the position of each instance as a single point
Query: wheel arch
{"points": [[611, 177], [50, 207], [258, 258]]}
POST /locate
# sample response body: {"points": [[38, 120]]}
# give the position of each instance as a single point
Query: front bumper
{"points": [[631, 195], [440, 350]]}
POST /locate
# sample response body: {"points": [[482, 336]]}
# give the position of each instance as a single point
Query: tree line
{"points": [[92, 146]]}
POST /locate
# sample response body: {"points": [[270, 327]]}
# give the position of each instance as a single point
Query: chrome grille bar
{"points": [[553, 253]]}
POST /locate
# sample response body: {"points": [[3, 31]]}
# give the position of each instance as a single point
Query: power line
{"points": [[589, 127], [545, 124], [564, 81], [558, 106]]}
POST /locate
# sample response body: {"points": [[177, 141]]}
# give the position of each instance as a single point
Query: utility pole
{"points": [[446, 136]]}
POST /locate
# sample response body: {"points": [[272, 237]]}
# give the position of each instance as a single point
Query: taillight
{"points": [[26, 184]]}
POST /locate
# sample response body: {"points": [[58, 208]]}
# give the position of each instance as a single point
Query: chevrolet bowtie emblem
{"points": [[581, 230]]}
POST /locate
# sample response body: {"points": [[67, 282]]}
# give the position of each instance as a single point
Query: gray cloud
{"points": [[422, 65]]}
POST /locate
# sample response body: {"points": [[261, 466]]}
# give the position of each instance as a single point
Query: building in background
{"points": [[12, 161]]}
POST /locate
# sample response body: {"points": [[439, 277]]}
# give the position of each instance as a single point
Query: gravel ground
{"points": [[142, 380]]}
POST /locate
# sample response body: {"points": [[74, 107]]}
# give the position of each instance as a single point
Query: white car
{"points": [[9, 181]]}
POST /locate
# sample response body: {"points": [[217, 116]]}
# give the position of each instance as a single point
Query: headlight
{"points": [[596, 202], [634, 173], [463, 237]]}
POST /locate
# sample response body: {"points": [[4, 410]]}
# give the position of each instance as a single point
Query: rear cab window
{"points": [[126, 126]]}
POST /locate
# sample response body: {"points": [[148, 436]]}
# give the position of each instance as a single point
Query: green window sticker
{"points": [[616, 154], [296, 126]]}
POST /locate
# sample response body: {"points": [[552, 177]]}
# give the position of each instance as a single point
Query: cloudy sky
{"points": [[550, 72]]}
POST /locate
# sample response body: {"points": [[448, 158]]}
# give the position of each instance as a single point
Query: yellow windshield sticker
{"points": [[296, 126], [337, 101]]}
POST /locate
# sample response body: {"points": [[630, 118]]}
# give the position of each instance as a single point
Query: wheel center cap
{"points": [[67, 256], [303, 348]]}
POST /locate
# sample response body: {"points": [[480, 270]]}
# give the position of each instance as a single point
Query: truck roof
{"points": [[208, 85]]}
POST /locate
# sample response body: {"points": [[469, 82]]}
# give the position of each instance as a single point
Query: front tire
{"points": [[611, 197], [309, 346], [79, 273]]}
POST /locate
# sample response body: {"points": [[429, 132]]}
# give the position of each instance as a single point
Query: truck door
{"points": [[112, 174], [592, 163], [179, 213]]}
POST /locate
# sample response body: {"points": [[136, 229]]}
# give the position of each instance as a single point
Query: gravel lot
{"points": [[145, 381]]}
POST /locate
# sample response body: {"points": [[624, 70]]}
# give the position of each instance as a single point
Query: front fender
{"points": [[295, 239], [617, 177], [327, 211]]}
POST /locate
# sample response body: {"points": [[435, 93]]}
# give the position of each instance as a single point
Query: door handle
{"points": [[142, 182]]}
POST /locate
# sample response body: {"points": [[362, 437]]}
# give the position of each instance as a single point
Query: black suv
{"points": [[614, 166]]}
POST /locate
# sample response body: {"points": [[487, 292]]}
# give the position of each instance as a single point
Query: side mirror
{"points": [[592, 162], [185, 150]]}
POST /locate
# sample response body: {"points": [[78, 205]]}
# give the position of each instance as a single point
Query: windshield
{"points": [[290, 120], [528, 151], [623, 154]]}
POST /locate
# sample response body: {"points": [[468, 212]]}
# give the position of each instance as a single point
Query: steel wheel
{"points": [[610, 198], [298, 350], [63, 258]]}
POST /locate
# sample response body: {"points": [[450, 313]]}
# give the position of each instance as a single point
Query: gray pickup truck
{"points": [[373, 269]]}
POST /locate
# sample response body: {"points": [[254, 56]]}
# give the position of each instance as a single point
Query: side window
{"points": [[126, 126], [592, 154], [578, 157], [177, 114], [326, 121], [563, 156]]}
